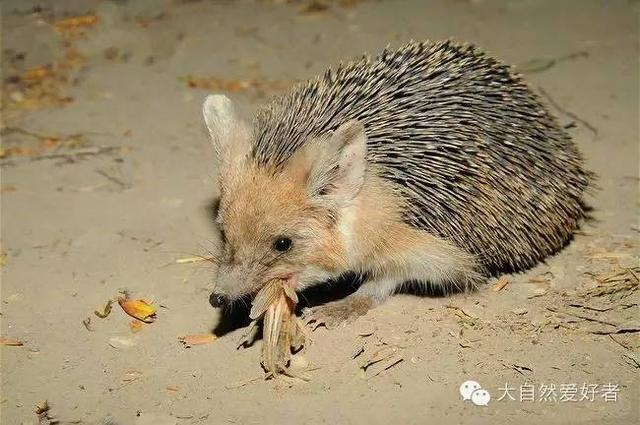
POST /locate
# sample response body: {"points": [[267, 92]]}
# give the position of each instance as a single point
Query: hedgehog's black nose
{"points": [[218, 300]]}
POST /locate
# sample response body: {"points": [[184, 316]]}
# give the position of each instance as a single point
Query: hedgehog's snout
{"points": [[219, 300], [232, 281]]}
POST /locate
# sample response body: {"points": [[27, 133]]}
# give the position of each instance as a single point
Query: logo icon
{"points": [[471, 390]]}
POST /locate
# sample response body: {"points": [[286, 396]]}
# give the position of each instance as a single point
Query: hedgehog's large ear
{"points": [[337, 171], [228, 133]]}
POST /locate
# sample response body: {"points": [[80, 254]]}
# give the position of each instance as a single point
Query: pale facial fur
{"points": [[260, 206], [331, 205], [257, 210]]}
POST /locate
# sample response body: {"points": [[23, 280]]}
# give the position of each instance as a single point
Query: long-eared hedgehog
{"points": [[433, 164]]}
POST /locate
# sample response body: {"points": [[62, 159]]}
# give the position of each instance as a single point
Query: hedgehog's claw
{"points": [[337, 313]]}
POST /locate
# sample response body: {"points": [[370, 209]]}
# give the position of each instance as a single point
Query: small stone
{"points": [[121, 343], [298, 363]]}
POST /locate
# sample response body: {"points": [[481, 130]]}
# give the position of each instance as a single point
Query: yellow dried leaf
{"points": [[138, 309], [191, 340]]}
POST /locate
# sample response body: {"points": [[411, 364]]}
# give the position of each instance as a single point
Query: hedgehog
{"points": [[432, 166]]}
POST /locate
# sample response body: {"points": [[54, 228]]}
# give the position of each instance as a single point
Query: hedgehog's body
{"points": [[479, 159], [473, 164]]}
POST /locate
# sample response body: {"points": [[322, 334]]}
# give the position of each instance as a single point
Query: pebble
{"points": [[121, 342]]}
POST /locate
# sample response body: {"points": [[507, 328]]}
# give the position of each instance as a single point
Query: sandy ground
{"points": [[107, 180]]}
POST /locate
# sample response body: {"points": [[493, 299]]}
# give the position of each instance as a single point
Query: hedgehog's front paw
{"points": [[337, 313]]}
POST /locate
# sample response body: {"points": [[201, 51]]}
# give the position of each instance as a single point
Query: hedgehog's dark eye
{"points": [[282, 244]]}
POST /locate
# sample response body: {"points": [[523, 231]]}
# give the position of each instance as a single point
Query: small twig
{"points": [[615, 331], [87, 324], [459, 309], [39, 136], [396, 362], [242, 384], [620, 343], [375, 359], [24, 132], [112, 179], [154, 245], [633, 362], [587, 307], [564, 325], [567, 113], [582, 316], [517, 368], [542, 65], [79, 153], [69, 156]]}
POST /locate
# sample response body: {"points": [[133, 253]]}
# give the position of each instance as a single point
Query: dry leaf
{"points": [[11, 342], [234, 86], [33, 75], [75, 22], [138, 309], [191, 340], [106, 310], [131, 375], [314, 7], [500, 284], [6, 189], [87, 324]]}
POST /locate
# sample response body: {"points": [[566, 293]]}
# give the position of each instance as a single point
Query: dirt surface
{"points": [[108, 178]]}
